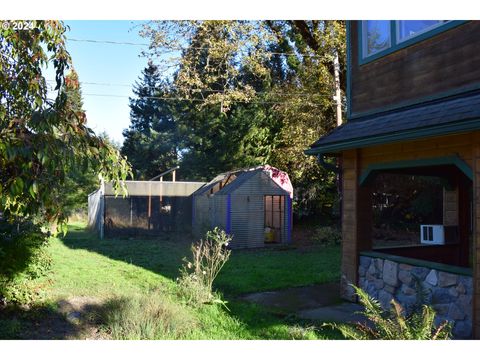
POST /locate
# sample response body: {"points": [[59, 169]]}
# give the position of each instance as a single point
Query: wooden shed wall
{"points": [[445, 62]]}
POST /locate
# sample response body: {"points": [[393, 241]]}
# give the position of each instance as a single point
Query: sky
{"points": [[100, 63]]}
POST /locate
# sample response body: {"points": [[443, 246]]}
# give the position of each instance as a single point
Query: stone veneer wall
{"points": [[449, 294]]}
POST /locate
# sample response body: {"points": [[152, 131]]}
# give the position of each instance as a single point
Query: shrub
{"points": [[208, 258], [394, 324], [23, 258], [327, 235]]}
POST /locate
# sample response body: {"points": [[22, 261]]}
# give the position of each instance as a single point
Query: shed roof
{"points": [[241, 176], [455, 114]]}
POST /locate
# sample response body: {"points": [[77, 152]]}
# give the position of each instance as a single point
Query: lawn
{"points": [[117, 277]]}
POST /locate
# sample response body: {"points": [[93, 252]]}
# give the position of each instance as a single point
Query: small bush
{"points": [[23, 258], [394, 324], [208, 258], [327, 235], [147, 317]]}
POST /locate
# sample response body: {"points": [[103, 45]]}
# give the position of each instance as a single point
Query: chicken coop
{"points": [[253, 205], [151, 208]]}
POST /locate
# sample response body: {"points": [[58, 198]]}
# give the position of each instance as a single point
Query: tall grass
{"points": [[145, 317]]}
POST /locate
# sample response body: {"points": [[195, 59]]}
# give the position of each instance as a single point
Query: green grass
{"points": [[267, 269], [134, 279]]}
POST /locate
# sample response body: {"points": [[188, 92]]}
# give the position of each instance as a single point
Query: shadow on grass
{"points": [[247, 271], [162, 255]]}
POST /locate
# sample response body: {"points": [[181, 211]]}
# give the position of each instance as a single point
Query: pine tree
{"points": [[150, 140]]}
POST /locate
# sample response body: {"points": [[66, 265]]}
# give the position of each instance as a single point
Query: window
{"points": [[408, 29], [381, 37], [274, 211], [377, 36]]}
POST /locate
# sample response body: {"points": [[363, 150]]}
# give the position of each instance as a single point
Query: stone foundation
{"points": [[449, 294]]}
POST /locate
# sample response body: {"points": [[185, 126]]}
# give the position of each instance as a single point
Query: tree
{"points": [[212, 54], [256, 92], [150, 141], [79, 182], [43, 139]]}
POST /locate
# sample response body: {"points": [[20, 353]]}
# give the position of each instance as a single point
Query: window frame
{"points": [[427, 29], [395, 44]]}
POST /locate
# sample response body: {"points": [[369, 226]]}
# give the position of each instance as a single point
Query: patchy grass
{"points": [[136, 296]]}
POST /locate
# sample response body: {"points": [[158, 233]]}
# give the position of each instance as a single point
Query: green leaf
{"points": [[38, 101], [18, 185]]}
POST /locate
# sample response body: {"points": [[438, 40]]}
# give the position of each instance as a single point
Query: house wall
{"points": [[476, 235], [440, 64], [356, 218], [460, 144]]}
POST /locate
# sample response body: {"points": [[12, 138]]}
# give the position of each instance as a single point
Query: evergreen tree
{"points": [[150, 140]]}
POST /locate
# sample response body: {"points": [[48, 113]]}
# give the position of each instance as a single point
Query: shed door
{"points": [[274, 206]]}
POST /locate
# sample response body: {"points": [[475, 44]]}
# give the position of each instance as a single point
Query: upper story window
{"points": [[381, 37], [406, 29], [377, 36]]}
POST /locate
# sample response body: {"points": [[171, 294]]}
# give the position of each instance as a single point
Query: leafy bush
{"points": [[23, 258], [146, 317], [394, 324], [208, 258], [327, 235]]}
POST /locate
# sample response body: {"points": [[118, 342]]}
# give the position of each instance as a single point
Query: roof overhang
{"points": [[450, 115], [411, 134]]}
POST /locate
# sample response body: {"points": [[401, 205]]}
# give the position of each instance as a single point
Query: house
{"points": [[254, 205], [413, 109]]}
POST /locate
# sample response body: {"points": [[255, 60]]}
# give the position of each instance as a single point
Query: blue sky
{"points": [[106, 63]]}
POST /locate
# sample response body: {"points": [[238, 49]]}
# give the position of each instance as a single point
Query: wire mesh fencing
{"points": [[146, 215]]}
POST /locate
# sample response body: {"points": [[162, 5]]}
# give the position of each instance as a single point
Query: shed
{"points": [[151, 208], [253, 205]]}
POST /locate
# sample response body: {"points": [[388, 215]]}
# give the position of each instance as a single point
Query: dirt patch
{"points": [[79, 311], [69, 319]]}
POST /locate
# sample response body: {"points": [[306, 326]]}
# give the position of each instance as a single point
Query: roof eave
{"points": [[411, 134]]}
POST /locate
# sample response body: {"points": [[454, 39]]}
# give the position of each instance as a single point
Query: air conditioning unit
{"points": [[432, 234]]}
